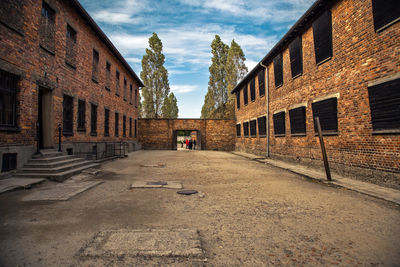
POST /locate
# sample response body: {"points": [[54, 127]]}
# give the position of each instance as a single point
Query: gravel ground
{"points": [[248, 214]]}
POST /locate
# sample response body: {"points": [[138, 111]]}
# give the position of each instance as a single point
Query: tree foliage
{"points": [[155, 78], [170, 107]]}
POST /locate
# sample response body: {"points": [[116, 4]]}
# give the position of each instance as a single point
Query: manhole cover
{"points": [[187, 192], [157, 183]]}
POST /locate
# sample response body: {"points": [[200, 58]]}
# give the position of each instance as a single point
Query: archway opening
{"points": [[187, 140]]}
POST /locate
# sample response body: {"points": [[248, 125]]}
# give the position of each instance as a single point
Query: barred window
{"points": [[253, 128], [116, 124], [246, 129], [262, 126], [135, 128], [106, 122], [12, 14], [95, 66], [326, 110], [322, 32], [68, 115], [117, 82], [70, 53], [253, 90], [238, 100], [47, 30], [278, 70], [108, 76], [124, 126], [385, 13], [245, 95], [261, 82], [136, 97], [130, 93], [125, 92], [93, 124], [279, 124], [238, 130], [297, 118], [8, 100], [130, 127], [296, 57], [81, 115]]}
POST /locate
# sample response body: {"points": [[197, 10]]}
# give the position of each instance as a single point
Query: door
{"points": [[45, 118]]}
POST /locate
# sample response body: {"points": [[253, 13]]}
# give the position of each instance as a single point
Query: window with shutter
{"points": [[95, 66], [130, 93], [81, 115], [125, 89], [124, 126], [296, 57], [106, 122], [108, 76], [245, 95], [261, 82], [253, 89], [279, 124], [322, 32], [135, 128], [278, 71], [238, 100], [93, 120], [70, 53], [68, 115], [117, 82], [116, 130], [12, 14], [8, 100], [385, 12], [262, 126], [326, 110], [47, 30], [297, 118], [253, 128], [246, 129], [384, 101], [238, 132], [130, 127]]}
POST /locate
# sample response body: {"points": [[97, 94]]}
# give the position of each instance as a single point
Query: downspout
{"points": [[267, 106]]}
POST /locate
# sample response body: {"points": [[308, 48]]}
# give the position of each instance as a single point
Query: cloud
{"points": [[183, 88], [122, 12], [112, 17]]}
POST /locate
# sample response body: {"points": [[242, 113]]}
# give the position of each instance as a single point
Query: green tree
{"points": [[217, 94], [155, 78], [170, 108]]}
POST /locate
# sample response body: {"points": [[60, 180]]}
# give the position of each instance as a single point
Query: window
{"points": [[136, 97], [130, 127], [106, 122], [278, 70], [238, 130], [70, 53], [245, 95], [262, 126], [68, 115], [135, 128], [125, 85], [81, 115], [12, 15], [322, 32], [93, 120], [384, 101], [108, 76], [296, 57], [385, 13], [261, 82], [9, 162], [246, 129], [124, 126], [279, 124], [297, 118], [116, 123], [95, 66], [253, 89], [117, 83], [326, 110], [238, 100], [8, 100], [253, 128], [130, 93], [47, 29]]}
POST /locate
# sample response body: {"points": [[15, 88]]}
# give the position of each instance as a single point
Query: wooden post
{"points": [[324, 155]]}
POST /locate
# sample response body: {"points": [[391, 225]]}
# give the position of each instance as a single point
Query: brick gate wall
{"points": [[159, 133]]}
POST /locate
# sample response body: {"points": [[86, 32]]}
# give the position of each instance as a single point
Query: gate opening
{"points": [[187, 140]]}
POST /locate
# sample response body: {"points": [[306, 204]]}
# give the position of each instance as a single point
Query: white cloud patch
{"points": [[122, 12], [183, 88]]}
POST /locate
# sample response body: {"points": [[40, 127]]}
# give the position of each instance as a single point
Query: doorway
{"points": [[180, 137], [45, 118]]}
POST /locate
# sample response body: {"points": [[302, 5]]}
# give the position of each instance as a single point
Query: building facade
{"points": [[339, 62], [58, 70]]}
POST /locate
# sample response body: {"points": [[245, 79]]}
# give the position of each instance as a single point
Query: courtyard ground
{"points": [[246, 214]]}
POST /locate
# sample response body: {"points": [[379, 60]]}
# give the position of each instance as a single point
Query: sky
{"points": [[187, 28]]}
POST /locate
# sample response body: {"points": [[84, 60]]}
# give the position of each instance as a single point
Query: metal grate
{"points": [[322, 32], [9, 162], [68, 115], [253, 89], [279, 123], [278, 71], [297, 118], [326, 110], [296, 57], [8, 99], [261, 82]]}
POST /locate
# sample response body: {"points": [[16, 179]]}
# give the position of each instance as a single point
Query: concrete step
{"points": [[49, 154], [57, 169], [60, 176], [51, 159], [35, 164]]}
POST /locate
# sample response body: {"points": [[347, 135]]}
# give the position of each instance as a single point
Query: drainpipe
{"points": [[267, 106]]}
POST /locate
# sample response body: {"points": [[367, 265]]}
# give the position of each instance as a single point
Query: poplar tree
{"points": [[155, 78], [170, 108]]}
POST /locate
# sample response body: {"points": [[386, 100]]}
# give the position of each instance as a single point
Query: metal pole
{"points": [[324, 155], [59, 138]]}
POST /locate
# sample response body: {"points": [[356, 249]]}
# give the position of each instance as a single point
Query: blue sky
{"points": [[187, 28]]}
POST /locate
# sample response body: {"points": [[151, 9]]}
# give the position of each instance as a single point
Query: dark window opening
{"points": [[322, 32], [117, 83], [68, 115], [108, 76], [246, 129], [81, 115], [253, 89], [95, 66], [106, 122], [130, 127], [262, 126], [47, 28], [385, 12], [253, 128], [125, 85], [70, 151], [135, 128], [238, 100], [297, 118], [8, 100], [261, 82], [136, 98], [12, 14], [130, 93], [70, 54], [296, 57], [278, 70], [116, 124], [326, 110], [93, 124], [124, 126], [9, 162], [245, 95], [279, 124], [384, 101], [238, 132]]}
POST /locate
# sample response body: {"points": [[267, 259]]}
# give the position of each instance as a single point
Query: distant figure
{"points": [[187, 143], [190, 144], [194, 144]]}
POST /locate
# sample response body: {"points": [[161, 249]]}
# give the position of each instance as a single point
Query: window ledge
{"points": [[388, 131], [262, 136], [238, 136], [298, 134], [323, 61], [93, 134], [328, 133], [71, 65], [297, 75], [279, 135], [262, 95], [81, 129], [246, 136], [68, 133], [106, 135], [11, 27], [14, 129], [278, 86], [47, 50], [117, 94], [387, 25], [253, 136], [95, 80], [108, 88]]}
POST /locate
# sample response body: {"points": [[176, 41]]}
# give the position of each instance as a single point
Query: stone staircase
{"points": [[54, 165]]}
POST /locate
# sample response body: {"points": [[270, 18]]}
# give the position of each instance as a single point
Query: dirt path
{"points": [[251, 215]]}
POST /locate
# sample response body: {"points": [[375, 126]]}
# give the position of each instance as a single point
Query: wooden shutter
{"points": [[245, 95], [296, 57], [93, 124], [279, 123], [68, 106], [297, 120], [385, 13], [252, 89], [326, 110], [81, 115], [238, 130], [106, 122], [261, 82], [253, 128], [246, 129], [278, 71], [262, 126], [384, 101], [322, 32], [238, 100]]}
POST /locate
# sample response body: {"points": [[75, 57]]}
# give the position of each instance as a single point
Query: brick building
{"points": [[340, 62], [57, 67]]}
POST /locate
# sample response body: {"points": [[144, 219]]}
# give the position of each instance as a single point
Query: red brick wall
{"points": [[360, 55], [24, 53]]}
